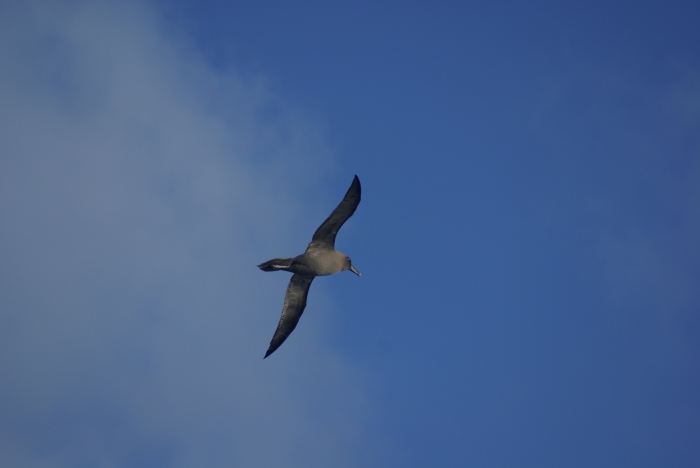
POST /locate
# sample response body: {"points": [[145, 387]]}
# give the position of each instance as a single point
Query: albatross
{"points": [[320, 259]]}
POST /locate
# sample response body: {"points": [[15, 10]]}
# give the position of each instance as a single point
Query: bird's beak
{"points": [[352, 268]]}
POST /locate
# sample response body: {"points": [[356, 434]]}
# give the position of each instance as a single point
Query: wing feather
{"points": [[324, 236], [294, 305]]}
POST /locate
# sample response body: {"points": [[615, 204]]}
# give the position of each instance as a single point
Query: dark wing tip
{"points": [[273, 347], [354, 192], [277, 342], [274, 344]]}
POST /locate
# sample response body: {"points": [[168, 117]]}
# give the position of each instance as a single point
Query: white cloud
{"points": [[138, 190]]}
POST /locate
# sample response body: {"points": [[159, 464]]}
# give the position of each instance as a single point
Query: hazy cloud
{"points": [[138, 189]]}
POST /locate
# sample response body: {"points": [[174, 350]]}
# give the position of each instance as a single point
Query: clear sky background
{"points": [[528, 234]]}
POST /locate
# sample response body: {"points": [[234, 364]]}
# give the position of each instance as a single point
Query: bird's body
{"points": [[314, 262], [320, 259]]}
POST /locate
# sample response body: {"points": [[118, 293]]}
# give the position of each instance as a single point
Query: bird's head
{"points": [[348, 266]]}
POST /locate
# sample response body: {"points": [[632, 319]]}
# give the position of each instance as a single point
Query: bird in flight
{"points": [[320, 259]]}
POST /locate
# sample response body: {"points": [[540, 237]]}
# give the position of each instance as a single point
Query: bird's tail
{"points": [[276, 264]]}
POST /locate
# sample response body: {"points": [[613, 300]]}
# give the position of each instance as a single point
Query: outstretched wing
{"points": [[294, 305], [324, 236]]}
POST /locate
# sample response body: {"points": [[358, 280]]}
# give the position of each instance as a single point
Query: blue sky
{"points": [[530, 291]]}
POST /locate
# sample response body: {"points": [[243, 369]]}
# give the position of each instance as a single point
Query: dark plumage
{"points": [[320, 259]]}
